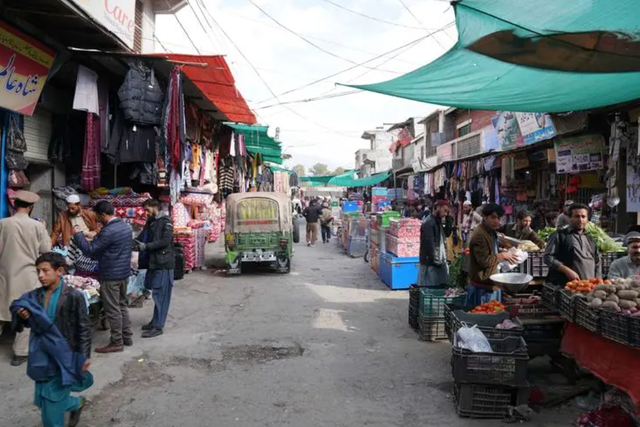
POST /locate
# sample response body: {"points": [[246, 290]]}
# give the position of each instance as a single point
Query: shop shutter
{"points": [[37, 133]]}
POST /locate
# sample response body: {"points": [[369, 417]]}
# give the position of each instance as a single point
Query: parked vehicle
{"points": [[260, 229]]}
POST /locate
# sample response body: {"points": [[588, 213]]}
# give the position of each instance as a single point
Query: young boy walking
{"points": [[60, 342]]}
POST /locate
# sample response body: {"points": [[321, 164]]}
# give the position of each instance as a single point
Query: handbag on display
{"points": [[17, 179]]}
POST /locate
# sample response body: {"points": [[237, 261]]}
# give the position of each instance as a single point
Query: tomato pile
{"points": [[585, 286], [490, 307]]}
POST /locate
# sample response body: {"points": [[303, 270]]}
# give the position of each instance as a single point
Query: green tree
{"points": [[299, 170], [319, 169], [339, 171]]}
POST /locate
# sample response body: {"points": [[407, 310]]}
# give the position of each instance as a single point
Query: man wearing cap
{"points": [[629, 265], [22, 241], [470, 220], [564, 219], [75, 216]]}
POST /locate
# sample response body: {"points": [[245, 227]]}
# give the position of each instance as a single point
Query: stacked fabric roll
{"points": [[188, 240]]}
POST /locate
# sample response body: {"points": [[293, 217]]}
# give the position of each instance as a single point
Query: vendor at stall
{"points": [[572, 254], [484, 257], [522, 230], [74, 216], [434, 270], [629, 265]]}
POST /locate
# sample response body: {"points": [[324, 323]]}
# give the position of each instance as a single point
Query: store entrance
{"points": [[41, 177]]}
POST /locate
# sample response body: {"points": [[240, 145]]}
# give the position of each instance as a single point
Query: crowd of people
{"points": [[318, 216], [50, 318]]}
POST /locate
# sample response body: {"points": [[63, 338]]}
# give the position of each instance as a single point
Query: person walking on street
{"points": [[112, 248], [75, 216], [312, 215], [57, 314], [326, 218], [155, 244], [484, 257], [22, 241], [563, 219], [572, 254], [434, 270]]}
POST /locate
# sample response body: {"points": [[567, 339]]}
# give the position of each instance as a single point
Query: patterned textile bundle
{"points": [[401, 247], [180, 215], [188, 240], [130, 200], [201, 240], [131, 212], [196, 199]]}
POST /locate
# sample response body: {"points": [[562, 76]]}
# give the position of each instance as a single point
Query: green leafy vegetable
{"points": [[604, 242], [457, 277], [546, 232]]}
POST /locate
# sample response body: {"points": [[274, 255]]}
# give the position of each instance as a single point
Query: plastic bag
{"points": [[473, 339], [521, 255]]}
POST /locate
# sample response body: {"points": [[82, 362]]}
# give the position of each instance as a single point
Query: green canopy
{"points": [[272, 159], [279, 169], [554, 55], [258, 142], [317, 180], [350, 181]]}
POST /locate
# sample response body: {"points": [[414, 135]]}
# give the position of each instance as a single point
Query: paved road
{"points": [[327, 345]]}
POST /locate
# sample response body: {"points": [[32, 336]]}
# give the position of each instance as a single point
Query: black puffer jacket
{"points": [[141, 97], [72, 320], [159, 232], [431, 234]]}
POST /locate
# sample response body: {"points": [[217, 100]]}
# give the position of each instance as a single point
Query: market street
{"points": [[327, 345]]}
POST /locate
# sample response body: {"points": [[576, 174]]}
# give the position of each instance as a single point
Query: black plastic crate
{"points": [[550, 295], [587, 317], [413, 319], [567, 305], [455, 316], [431, 329], [634, 332], [506, 365], [517, 308], [606, 258], [414, 297], [485, 401], [615, 327], [534, 332]]}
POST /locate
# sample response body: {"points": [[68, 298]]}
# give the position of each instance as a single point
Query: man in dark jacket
{"points": [[312, 214], [156, 246], [434, 270], [572, 254], [112, 248], [60, 341]]}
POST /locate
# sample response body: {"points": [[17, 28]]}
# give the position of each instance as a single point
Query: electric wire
{"points": [[371, 17], [183, 29], [306, 40], [419, 22]]}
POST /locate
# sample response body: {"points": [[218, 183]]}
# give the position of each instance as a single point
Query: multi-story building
{"points": [[376, 158]]}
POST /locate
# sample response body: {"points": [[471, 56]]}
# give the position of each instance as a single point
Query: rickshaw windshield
{"points": [[257, 212]]}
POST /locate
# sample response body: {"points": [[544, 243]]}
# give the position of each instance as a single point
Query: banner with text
{"points": [[117, 16], [507, 130], [579, 154], [535, 127], [24, 66]]}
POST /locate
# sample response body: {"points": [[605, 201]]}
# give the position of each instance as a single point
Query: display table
{"points": [[614, 363]]}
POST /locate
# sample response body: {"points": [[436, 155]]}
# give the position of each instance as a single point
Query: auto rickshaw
{"points": [[259, 229]]}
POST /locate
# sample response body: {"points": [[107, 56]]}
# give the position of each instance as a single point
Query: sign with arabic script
{"points": [[24, 66], [579, 154]]}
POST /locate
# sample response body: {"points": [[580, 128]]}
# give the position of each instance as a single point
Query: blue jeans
{"points": [[326, 233]]}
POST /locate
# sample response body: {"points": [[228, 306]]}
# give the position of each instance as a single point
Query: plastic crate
{"points": [[587, 317], [606, 258], [567, 305], [517, 308], [615, 327], [550, 296], [539, 332], [383, 218], [431, 329], [413, 318], [535, 265], [634, 332], [506, 365], [398, 273], [432, 302], [486, 401], [455, 316]]}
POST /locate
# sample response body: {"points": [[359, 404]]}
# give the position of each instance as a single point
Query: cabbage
{"points": [[604, 242]]}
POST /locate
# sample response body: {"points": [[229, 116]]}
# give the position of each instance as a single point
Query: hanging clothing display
{"points": [[86, 95], [141, 97], [91, 168]]}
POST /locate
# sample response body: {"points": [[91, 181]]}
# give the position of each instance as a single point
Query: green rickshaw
{"points": [[259, 229]]}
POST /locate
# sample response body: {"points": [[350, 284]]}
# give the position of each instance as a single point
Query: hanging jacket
{"points": [[141, 97], [49, 350]]}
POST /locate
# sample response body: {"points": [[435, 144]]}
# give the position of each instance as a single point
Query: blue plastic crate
{"points": [[398, 273]]}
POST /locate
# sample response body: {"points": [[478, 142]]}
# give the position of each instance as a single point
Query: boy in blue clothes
{"points": [[60, 342]]}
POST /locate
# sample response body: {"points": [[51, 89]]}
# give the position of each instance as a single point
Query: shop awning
{"points": [[548, 50], [279, 169], [258, 141], [215, 81], [349, 181], [316, 180]]}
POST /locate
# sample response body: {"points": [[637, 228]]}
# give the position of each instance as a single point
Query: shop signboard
{"points": [[535, 127], [579, 154], [117, 16], [24, 66], [490, 139], [507, 130]]}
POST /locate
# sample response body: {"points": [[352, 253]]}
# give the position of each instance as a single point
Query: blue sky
{"points": [[326, 131]]}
